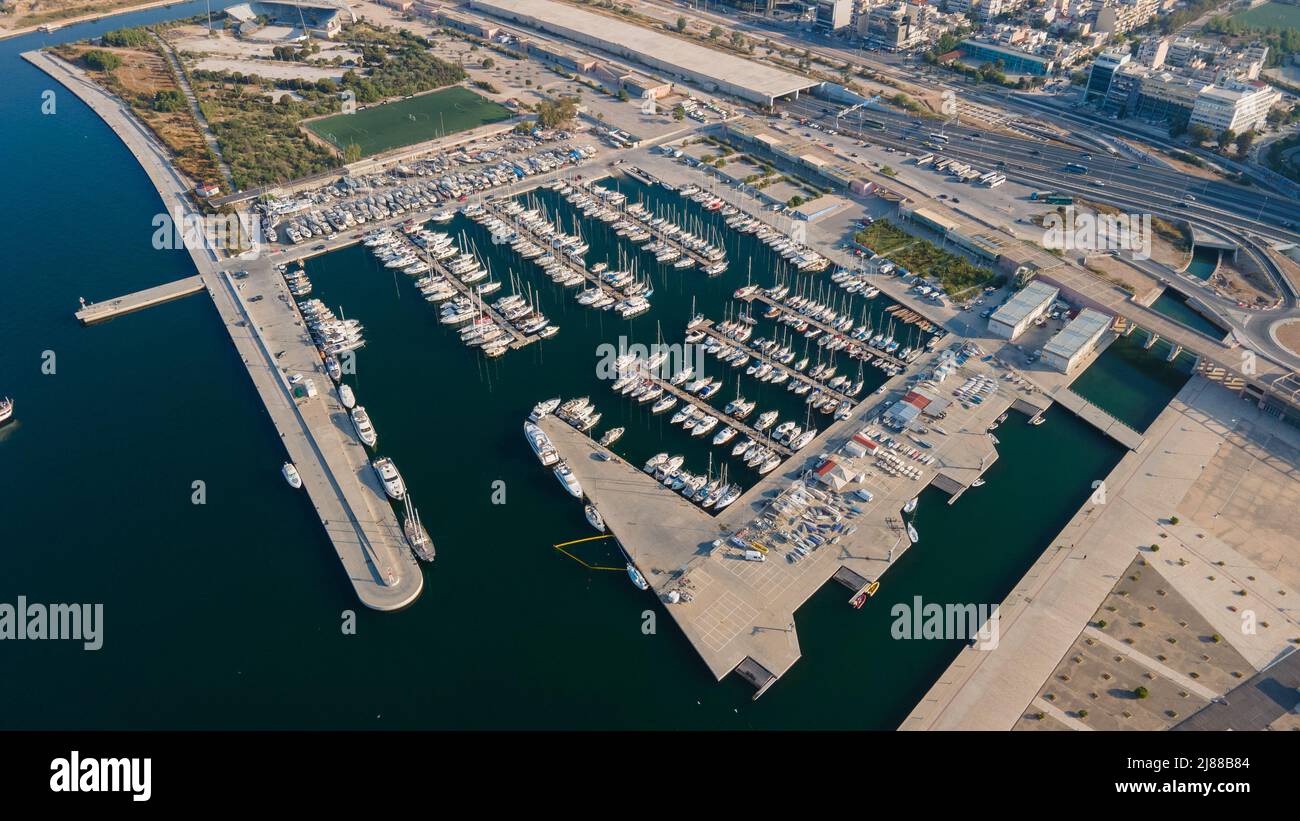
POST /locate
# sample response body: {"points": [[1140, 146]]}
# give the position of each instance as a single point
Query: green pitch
{"points": [[404, 122], [1270, 15]]}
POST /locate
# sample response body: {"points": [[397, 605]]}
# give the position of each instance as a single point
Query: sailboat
{"points": [[911, 533], [911, 504], [416, 536], [594, 518], [636, 577]]}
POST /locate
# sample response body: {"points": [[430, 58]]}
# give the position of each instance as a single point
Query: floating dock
{"points": [[543, 242], [709, 329], [724, 419], [92, 312], [785, 310], [518, 339]]}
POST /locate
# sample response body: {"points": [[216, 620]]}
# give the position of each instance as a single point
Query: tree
{"points": [[488, 62], [556, 113], [1226, 137], [737, 39], [101, 60], [681, 24], [1200, 133], [352, 153], [1140, 692], [715, 32], [1244, 141], [679, 112]]}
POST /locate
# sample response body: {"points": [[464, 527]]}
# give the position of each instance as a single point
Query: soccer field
{"points": [[1270, 15], [405, 122]]}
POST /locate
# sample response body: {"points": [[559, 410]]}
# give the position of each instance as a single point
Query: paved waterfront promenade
{"points": [[1220, 546], [319, 440]]}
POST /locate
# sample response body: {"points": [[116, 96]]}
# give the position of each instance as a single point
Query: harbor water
{"points": [[1174, 305], [143, 474]]}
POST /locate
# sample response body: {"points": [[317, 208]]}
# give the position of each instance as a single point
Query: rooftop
{"points": [[649, 46], [1078, 333], [1025, 301]]}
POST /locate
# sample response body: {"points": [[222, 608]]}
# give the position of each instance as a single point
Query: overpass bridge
{"points": [[1273, 386], [1203, 237]]}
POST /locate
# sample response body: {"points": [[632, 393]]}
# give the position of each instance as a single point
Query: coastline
{"points": [[87, 18], [360, 524]]}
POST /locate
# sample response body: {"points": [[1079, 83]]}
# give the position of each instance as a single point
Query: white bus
{"points": [[939, 138]]}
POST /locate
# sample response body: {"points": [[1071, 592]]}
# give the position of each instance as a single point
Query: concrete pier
{"points": [[739, 614], [92, 312], [1098, 418], [273, 343]]}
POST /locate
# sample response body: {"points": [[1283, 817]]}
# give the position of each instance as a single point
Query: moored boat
{"points": [[594, 517], [389, 477], [636, 577], [565, 474]]}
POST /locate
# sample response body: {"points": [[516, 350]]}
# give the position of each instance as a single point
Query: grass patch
{"points": [[406, 122]]}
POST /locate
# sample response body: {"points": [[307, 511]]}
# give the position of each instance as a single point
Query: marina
{"points": [[882, 358], [981, 509], [710, 329]]}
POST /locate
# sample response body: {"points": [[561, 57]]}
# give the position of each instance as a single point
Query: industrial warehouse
{"points": [[713, 70]]}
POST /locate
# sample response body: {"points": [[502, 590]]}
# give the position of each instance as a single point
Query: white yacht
{"points": [[570, 482], [365, 430], [291, 475], [346, 396], [541, 444], [6, 410], [389, 477], [543, 409]]}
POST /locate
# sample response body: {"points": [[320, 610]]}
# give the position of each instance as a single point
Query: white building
{"points": [[833, 15], [1028, 304], [1075, 341], [1240, 107]]}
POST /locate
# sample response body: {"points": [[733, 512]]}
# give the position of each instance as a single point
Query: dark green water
{"points": [[1204, 261], [1174, 305], [1131, 383], [228, 614]]}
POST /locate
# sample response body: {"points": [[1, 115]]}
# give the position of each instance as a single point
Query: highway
{"points": [[1272, 215], [1160, 192], [1215, 207]]}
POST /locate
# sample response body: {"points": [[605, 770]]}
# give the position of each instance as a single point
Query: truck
{"points": [[754, 556]]}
